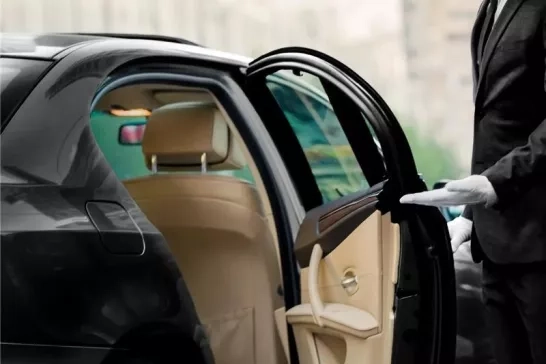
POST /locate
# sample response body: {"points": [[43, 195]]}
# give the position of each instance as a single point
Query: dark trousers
{"points": [[515, 305]]}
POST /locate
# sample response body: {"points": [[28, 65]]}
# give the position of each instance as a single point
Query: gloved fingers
{"points": [[460, 230], [458, 239], [451, 229], [460, 234], [438, 198], [455, 246], [427, 198]]}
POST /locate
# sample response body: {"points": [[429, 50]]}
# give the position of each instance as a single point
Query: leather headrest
{"points": [[177, 136]]}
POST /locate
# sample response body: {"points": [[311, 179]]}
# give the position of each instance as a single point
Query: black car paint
{"points": [[13, 93], [473, 339], [61, 286]]}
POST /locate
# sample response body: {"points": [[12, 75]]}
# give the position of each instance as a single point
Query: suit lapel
{"points": [[506, 15], [474, 40]]}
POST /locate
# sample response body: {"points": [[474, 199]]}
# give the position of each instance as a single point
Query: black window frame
{"points": [[292, 152], [373, 169]]}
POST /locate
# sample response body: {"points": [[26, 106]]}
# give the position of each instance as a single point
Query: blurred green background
{"points": [[434, 161]]}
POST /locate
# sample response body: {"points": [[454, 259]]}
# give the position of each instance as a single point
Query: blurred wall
{"points": [[437, 38], [251, 27], [414, 52]]}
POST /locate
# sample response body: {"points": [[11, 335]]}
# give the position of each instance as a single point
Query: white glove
{"points": [[473, 190], [460, 230]]}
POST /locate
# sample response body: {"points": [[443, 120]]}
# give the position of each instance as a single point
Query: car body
{"points": [[87, 276]]}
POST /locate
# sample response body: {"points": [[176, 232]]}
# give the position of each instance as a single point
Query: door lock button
{"points": [[350, 282]]}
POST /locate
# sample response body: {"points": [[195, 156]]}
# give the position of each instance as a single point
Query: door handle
{"points": [[338, 317]]}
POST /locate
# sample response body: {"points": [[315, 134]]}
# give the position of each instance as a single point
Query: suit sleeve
{"points": [[515, 172]]}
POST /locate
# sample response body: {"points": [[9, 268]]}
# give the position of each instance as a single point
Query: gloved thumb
{"points": [[459, 230], [456, 242]]}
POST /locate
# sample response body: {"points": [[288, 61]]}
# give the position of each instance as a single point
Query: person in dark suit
{"points": [[505, 196]]}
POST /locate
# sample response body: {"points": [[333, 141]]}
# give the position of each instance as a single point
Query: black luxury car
{"points": [[238, 241]]}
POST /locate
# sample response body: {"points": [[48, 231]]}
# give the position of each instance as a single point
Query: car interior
{"points": [[219, 228], [221, 231]]}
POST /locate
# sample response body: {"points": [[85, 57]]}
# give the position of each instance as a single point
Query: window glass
{"points": [[127, 161], [319, 132]]}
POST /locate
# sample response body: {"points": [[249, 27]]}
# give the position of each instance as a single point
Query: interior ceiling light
{"points": [[119, 111]]}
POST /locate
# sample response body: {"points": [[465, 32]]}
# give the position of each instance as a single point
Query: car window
{"points": [[319, 132], [127, 161], [17, 78]]}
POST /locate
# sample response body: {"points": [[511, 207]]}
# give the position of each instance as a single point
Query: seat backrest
{"points": [[216, 229]]}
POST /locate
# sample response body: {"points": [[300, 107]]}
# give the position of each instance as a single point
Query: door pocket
{"points": [[339, 317]]}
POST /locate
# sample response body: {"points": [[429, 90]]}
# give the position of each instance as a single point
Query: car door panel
{"points": [[347, 287], [328, 225], [376, 278]]}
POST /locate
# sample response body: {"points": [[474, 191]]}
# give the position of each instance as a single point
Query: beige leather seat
{"points": [[215, 228]]}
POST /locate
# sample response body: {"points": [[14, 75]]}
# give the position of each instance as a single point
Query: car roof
{"points": [[50, 45], [38, 45]]}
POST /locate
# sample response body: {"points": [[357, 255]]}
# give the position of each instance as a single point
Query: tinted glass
{"points": [[127, 160], [319, 132], [17, 78]]}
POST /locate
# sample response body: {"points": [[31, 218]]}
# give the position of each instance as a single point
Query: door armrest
{"points": [[338, 317]]}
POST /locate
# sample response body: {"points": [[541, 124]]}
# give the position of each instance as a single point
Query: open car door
{"points": [[377, 282]]}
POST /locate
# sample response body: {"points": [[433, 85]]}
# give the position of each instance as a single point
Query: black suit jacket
{"points": [[510, 134]]}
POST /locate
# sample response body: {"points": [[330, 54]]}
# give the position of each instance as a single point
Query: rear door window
{"points": [[127, 160]]}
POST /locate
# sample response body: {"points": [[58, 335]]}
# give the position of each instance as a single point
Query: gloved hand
{"points": [[460, 230], [473, 190]]}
